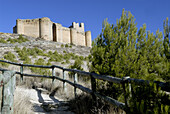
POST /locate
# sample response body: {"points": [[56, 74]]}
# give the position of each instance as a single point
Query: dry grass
{"points": [[22, 104], [84, 104]]}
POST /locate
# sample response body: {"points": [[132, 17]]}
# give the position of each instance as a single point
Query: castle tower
{"points": [[88, 38], [73, 36], [20, 27], [46, 28]]}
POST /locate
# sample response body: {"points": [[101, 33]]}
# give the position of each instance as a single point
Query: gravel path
{"points": [[41, 103]]}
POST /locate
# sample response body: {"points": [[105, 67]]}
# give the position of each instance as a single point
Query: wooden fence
{"points": [[7, 88], [93, 77]]}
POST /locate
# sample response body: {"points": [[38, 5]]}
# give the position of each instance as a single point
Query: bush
{"points": [[3, 41], [62, 45], [67, 61], [77, 64], [9, 56], [23, 54], [66, 46], [81, 57], [17, 49], [64, 51], [41, 71], [4, 64], [67, 56], [19, 40], [22, 39], [27, 61]]}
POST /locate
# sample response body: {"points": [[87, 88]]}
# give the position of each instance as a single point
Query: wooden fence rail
{"points": [[7, 88], [93, 77]]}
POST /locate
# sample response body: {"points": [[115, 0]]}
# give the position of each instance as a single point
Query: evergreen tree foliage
{"points": [[166, 44], [123, 50]]}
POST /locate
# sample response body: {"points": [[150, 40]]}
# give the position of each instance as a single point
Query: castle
{"points": [[48, 30]]}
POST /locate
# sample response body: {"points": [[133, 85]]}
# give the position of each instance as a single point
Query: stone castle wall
{"points": [[48, 30]]}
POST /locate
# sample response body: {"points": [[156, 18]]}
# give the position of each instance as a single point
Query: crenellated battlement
{"points": [[46, 29]]}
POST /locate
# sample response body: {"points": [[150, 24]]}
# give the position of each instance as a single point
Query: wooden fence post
{"points": [[93, 87], [64, 84], [53, 80], [124, 80], [1, 90], [8, 92], [75, 81], [21, 71]]}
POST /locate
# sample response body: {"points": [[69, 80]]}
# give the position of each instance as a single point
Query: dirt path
{"points": [[38, 102]]}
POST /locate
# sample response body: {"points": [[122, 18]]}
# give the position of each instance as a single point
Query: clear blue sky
{"points": [[91, 12]]}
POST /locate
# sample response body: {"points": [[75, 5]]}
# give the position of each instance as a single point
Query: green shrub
{"points": [[27, 61], [66, 46], [23, 54], [49, 63], [77, 64], [3, 41], [75, 57], [67, 61], [50, 53], [4, 64], [9, 56], [10, 40], [81, 57], [17, 49], [62, 45], [41, 71], [64, 51], [19, 40], [66, 56], [63, 62], [56, 53]]}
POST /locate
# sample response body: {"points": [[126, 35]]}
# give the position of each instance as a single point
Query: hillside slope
{"points": [[66, 53]]}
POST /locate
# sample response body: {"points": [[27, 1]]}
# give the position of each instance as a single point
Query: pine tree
{"points": [[166, 44], [121, 50], [166, 39], [114, 50]]}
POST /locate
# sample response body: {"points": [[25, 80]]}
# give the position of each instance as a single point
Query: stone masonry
{"points": [[48, 30]]}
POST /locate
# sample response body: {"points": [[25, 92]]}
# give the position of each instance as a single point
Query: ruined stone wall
{"points": [[81, 38], [73, 36], [20, 26], [59, 33], [46, 29], [31, 27], [66, 35]]}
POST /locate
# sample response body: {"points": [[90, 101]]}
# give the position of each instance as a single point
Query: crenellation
{"points": [[48, 30]]}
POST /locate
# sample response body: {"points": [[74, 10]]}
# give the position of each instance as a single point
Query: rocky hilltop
{"points": [[68, 53]]}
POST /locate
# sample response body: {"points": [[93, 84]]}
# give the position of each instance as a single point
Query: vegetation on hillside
{"points": [[12, 41], [27, 54], [124, 50]]}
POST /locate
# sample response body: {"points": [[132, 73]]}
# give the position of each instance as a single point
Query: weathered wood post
{"points": [[8, 92], [21, 71], [93, 87], [64, 84], [1, 90], [75, 81], [124, 81], [53, 74]]}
